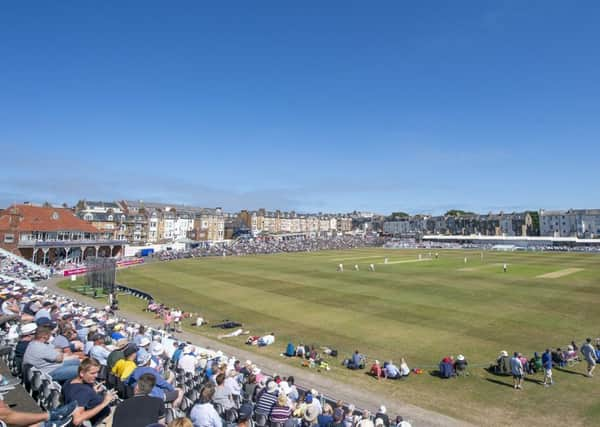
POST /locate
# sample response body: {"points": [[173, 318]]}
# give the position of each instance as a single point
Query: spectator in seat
{"points": [[27, 334], [222, 394], [117, 354], [325, 419], [382, 414], [281, 411], [99, 350], [267, 399], [141, 409], [47, 359], [87, 395], [162, 389], [203, 414], [124, 367], [59, 417], [365, 420]]}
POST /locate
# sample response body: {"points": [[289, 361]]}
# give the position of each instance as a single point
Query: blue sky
{"points": [[312, 106]]}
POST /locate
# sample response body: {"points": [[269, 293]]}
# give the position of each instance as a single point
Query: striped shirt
{"points": [[280, 414], [266, 403]]}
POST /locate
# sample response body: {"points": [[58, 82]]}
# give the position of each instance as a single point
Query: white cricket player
{"points": [[340, 268], [372, 267], [385, 261], [465, 260], [505, 267]]}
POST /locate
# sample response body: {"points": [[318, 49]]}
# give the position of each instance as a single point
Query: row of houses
{"points": [[149, 222], [267, 222], [581, 223]]}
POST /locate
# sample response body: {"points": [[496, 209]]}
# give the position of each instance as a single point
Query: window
{"points": [[9, 238]]}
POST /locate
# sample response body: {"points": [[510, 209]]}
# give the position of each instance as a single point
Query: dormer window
{"points": [[55, 215]]}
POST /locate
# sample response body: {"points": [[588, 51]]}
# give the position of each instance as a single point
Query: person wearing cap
{"points": [[162, 389], [460, 365], [144, 346], [203, 413], [382, 415], [27, 333], [42, 355], [124, 367], [93, 398], [245, 415], [83, 329], [117, 354], [99, 350]]}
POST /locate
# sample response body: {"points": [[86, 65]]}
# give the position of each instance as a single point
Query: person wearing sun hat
{"points": [[460, 365], [267, 399], [311, 413], [117, 353], [281, 411], [27, 333]]}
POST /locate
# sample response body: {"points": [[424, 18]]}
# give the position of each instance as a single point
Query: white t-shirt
{"points": [[187, 362]]}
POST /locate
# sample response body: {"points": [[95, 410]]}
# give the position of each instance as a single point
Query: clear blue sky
{"points": [[312, 105]]}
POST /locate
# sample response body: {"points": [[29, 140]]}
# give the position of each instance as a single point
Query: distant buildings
{"points": [[45, 234], [278, 222], [582, 223]]}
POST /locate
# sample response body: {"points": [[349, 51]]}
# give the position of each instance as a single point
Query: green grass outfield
{"points": [[417, 310]]}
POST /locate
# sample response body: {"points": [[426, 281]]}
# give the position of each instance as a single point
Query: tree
{"points": [[458, 212], [400, 215]]}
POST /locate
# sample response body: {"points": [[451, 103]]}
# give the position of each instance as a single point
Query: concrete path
{"points": [[331, 388]]}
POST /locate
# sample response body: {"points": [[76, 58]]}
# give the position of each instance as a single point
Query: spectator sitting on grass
{"points": [[391, 371], [460, 365], [404, 369], [290, 350], [266, 340], [356, 362], [376, 370]]}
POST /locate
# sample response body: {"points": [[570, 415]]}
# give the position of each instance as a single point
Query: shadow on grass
{"points": [[499, 382], [568, 371]]}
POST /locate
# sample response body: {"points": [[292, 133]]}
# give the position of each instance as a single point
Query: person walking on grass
{"points": [[547, 365], [516, 368], [589, 354]]}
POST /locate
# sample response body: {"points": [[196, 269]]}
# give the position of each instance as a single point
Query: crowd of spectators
{"points": [[13, 267], [274, 245]]}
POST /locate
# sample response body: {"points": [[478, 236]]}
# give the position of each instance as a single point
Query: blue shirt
{"points": [[159, 388], [85, 396], [116, 336], [547, 360]]}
